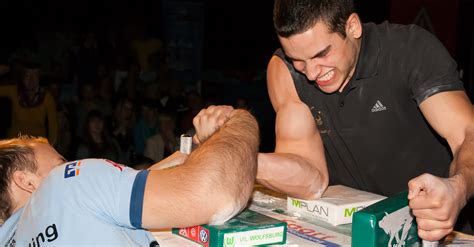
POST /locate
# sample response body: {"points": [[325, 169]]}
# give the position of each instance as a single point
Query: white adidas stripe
{"points": [[378, 107]]}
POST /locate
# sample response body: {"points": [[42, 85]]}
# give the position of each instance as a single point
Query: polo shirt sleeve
{"points": [[112, 192], [431, 69]]}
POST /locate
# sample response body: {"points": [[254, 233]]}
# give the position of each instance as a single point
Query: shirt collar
{"points": [[368, 61]]}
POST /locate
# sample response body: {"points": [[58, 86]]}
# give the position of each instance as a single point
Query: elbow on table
{"points": [[313, 190], [229, 199], [233, 203]]}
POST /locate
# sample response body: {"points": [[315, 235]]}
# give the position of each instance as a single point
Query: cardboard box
{"points": [[336, 206], [389, 222], [247, 228]]}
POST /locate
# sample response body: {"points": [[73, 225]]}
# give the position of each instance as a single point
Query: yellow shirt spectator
{"points": [[39, 120]]}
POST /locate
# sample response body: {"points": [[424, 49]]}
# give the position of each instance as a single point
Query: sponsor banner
{"points": [[305, 233], [255, 237]]}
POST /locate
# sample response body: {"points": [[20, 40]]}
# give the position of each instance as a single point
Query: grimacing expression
{"points": [[325, 57]]}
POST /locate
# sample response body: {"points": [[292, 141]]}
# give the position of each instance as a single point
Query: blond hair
{"points": [[16, 154]]}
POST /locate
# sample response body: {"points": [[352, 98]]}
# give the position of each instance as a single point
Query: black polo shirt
{"points": [[375, 136]]}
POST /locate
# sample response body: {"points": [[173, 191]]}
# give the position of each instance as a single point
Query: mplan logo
{"points": [[72, 169]]}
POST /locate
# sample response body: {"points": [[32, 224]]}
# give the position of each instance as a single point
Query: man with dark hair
{"points": [[375, 107], [98, 202]]}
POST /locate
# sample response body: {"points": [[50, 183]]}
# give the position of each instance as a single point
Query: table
{"points": [[302, 231]]}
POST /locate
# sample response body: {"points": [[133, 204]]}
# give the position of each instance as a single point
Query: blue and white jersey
{"points": [[89, 202]]}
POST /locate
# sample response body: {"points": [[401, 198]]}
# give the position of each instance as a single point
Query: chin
{"points": [[332, 88]]}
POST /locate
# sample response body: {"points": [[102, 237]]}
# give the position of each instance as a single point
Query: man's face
{"points": [[31, 79], [149, 115], [46, 158], [96, 125], [88, 92], [127, 110], [324, 56]]}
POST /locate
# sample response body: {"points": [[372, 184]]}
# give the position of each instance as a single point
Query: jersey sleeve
{"points": [[110, 191], [431, 68]]}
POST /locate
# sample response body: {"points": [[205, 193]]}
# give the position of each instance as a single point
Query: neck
{"points": [[31, 92], [96, 137], [19, 197], [354, 64]]}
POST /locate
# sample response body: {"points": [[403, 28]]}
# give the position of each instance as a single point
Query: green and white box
{"points": [[389, 222], [336, 206], [248, 228]]}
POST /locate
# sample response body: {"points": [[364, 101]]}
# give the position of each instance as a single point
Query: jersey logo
{"points": [[118, 166], [49, 235], [72, 169], [319, 120], [378, 107], [11, 242]]}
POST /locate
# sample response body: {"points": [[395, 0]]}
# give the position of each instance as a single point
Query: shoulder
{"points": [[48, 98], [8, 88], [387, 28], [48, 95], [281, 87], [96, 168], [401, 36], [277, 67]]}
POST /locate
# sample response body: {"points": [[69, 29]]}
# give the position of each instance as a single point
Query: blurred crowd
{"points": [[107, 95]]}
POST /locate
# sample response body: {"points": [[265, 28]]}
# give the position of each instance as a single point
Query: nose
{"points": [[312, 70]]}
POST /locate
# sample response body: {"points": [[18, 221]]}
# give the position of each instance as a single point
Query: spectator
{"points": [[87, 102], [64, 141], [147, 125], [122, 127], [165, 142], [33, 107], [96, 142]]}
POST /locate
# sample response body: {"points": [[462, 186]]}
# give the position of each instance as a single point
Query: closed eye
{"points": [[319, 54], [323, 53]]}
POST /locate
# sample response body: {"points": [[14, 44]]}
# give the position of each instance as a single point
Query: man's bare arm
{"points": [[212, 185], [436, 202], [177, 158], [451, 114], [463, 163], [298, 166]]}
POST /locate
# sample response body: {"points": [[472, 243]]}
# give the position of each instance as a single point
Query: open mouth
{"points": [[326, 78]]}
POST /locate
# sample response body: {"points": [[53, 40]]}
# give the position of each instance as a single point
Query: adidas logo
{"points": [[378, 107]]}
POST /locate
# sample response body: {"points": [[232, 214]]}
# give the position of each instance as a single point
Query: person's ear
{"points": [[354, 26], [25, 180]]}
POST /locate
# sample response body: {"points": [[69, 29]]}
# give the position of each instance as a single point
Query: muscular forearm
{"points": [[212, 185], [462, 166], [290, 174], [231, 157]]}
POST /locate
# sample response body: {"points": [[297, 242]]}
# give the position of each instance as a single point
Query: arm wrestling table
{"points": [[302, 231]]}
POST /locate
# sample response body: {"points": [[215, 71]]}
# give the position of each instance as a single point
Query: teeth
{"points": [[327, 76]]}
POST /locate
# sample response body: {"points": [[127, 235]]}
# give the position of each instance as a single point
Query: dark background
{"points": [[236, 33], [237, 36]]}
